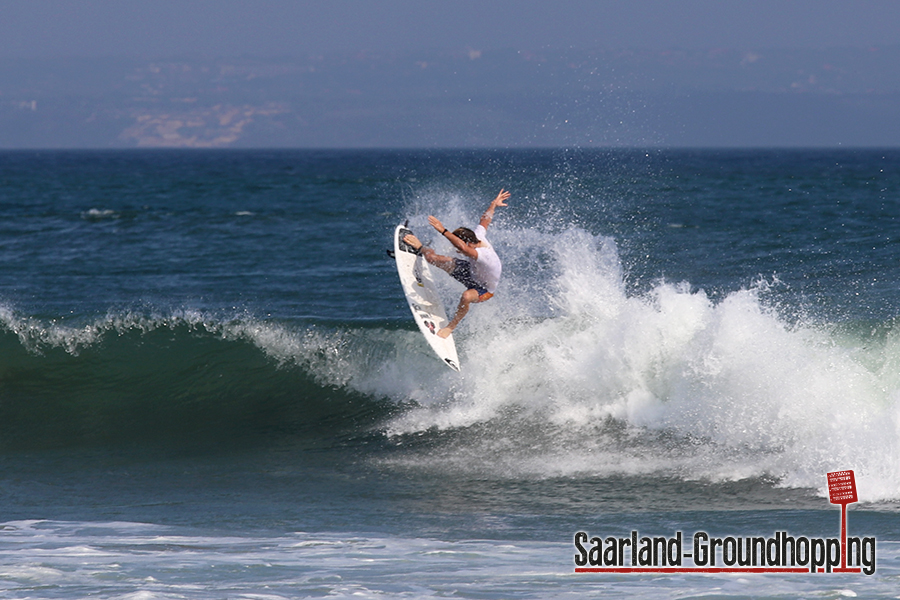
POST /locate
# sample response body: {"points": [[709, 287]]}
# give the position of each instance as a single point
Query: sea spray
{"points": [[600, 382]]}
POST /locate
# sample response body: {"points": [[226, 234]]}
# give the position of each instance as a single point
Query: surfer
{"points": [[479, 271]]}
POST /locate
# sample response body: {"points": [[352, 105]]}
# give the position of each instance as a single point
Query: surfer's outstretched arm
{"points": [[488, 215], [461, 246]]}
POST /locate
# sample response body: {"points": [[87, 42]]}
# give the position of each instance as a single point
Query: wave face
{"points": [[181, 380]]}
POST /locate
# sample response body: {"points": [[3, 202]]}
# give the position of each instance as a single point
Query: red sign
{"points": [[841, 487]]}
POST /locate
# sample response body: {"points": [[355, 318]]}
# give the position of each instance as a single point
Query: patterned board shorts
{"points": [[462, 272]]}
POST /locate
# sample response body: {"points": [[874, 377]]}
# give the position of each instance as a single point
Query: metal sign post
{"points": [[842, 490]]}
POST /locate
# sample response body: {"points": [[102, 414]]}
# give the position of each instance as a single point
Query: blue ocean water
{"points": [[211, 386]]}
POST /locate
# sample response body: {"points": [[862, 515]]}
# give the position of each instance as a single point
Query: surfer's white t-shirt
{"points": [[487, 268]]}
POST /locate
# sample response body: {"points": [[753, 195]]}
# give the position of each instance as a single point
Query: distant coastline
{"points": [[835, 97]]}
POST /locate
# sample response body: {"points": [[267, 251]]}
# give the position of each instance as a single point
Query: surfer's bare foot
{"points": [[444, 333]]}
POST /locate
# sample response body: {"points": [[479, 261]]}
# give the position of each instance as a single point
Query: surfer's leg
{"points": [[468, 297]]}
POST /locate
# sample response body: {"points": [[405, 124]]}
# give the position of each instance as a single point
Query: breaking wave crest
{"points": [[566, 374]]}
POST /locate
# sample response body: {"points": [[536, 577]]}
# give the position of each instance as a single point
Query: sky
{"points": [[267, 28], [388, 73]]}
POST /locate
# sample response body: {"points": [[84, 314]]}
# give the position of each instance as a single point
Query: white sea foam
{"points": [[99, 214], [151, 561], [570, 374]]}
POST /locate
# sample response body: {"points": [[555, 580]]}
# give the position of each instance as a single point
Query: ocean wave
{"points": [[180, 378], [566, 374]]}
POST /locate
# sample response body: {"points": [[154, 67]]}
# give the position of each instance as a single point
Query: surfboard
{"points": [[421, 294]]}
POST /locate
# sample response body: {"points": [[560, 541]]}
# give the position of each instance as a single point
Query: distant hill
{"points": [[720, 97]]}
